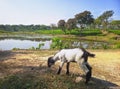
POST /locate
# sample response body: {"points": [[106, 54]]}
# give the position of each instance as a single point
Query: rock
{"points": [[78, 79]]}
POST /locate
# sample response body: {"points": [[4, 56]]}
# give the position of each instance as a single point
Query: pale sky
{"points": [[51, 11]]}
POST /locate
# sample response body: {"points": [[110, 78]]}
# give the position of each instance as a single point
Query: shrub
{"points": [[58, 43]]}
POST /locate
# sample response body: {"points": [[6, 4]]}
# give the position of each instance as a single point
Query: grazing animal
{"points": [[78, 55]]}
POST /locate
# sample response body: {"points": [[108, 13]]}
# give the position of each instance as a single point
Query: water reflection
{"points": [[89, 44], [22, 43], [8, 44]]}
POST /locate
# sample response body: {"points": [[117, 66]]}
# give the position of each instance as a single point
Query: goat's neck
{"points": [[55, 58]]}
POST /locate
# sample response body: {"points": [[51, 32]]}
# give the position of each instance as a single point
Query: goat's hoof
{"points": [[58, 73], [67, 73]]}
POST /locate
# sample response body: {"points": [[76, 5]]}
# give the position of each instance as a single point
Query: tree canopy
{"points": [[104, 18], [61, 25], [70, 24], [84, 18]]}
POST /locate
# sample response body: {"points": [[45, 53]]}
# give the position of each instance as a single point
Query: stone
{"points": [[78, 79]]}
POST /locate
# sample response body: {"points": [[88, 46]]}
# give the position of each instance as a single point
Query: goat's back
{"points": [[72, 54]]}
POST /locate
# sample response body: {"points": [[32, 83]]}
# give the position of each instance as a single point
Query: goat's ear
{"points": [[50, 59]]}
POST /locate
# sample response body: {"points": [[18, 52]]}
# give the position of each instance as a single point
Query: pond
{"points": [[9, 43], [23, 41]]}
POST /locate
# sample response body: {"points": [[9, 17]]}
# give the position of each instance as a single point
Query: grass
{"points": [[25, 69], [46, 81], [114, 31], [73, 32], [53, 32]]}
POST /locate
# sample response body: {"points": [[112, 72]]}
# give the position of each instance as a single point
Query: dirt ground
{"points": [[106, 64]]}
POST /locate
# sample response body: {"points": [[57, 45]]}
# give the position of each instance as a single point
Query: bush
{"points": [[114, 31], [58, 43], [39, 47]]}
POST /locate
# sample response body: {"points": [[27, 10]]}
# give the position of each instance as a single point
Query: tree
{"points": [[70, 24], [104, 18], [83, 19], [61, 25], [53, 26]]}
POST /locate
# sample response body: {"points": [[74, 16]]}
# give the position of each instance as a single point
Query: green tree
{"points": [[104, 18], [61, 25], [70, 24], [83, 19]]}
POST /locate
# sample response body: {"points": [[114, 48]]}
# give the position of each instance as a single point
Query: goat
{"points": [[78, 55]]}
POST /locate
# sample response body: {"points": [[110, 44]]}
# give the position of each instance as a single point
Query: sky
{"points": [[51, 11]]}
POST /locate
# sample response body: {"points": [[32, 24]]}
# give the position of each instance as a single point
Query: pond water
{"points": [[25, 43], [8, 44]]}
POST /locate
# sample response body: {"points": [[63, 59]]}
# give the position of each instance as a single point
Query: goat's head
{"points": [[50, 61]]}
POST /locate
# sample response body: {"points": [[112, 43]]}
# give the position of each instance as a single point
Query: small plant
{"points": [[117, 46], [57, 43], [16, 49], [39, 47], [105, 46]]}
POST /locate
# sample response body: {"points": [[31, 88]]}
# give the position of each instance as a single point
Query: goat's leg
{"points": [[89, 73], [87, 69], [60, 67], [67, 67]]}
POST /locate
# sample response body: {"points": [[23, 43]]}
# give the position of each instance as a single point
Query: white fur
{"points": [[69, 55], [77, 55]]}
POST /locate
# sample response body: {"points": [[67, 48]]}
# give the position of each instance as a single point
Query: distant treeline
{"points": [[85, 20], [81, 21], [23, 27]]}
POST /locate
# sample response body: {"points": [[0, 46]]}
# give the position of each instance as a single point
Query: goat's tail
{"points": [[88, 53], [91, 55]]}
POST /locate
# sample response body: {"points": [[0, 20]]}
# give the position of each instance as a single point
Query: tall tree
{"points": [[83, 19], [104, 18], [70, 24], [61, 25]]}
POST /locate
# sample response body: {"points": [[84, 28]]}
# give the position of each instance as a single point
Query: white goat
{"points": [[80, 56]]}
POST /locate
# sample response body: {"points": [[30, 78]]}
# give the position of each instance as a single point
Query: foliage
{"points": [[37, 48], [114, 31], [105, 46], [15, 49], [115, 22], [70, 24], [117, 45], [104, 18], [12, 28], [61, 25], [91, 32], [56, 31], [84, 18], [57, 43]]}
